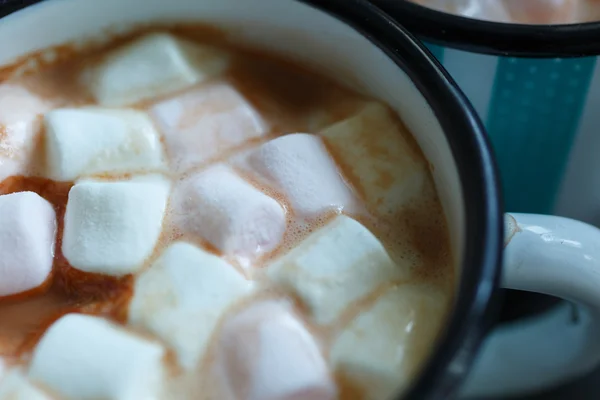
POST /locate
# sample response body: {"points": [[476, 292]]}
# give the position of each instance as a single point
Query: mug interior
{"points": [[495, 38], [387, 64]]}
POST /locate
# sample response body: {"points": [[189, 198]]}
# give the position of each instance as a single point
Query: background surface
{"points": [[517, 304]]}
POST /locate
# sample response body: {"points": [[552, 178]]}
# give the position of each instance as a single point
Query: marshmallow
{"points": [[383, 347], [16, 386], [154, 65], [206, 122], [112, 227], [27, 231], [380, 159], [542, 11], [492, 10], [335, 266], [93, 140], [229, 213], [299, 167], [19, 129], [182, 297], [267, 354], [87, 358]]}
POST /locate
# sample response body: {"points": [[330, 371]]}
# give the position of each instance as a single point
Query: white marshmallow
{"points": [[335, 266], [16, 386], [544, 11], [299, 167], [19, 129], [182, 297], [491, 10], [87, 358], [27, 231], [206, 122], [386, 168], [382, 349], [154, 65], [267, 354], [232, 215], [112, 227], [92, 140]]}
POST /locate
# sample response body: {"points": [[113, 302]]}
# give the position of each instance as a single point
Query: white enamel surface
{"points": [[558, 257], [206, 122], [19, 129], [152, 66], [378, 348], [16, 386], [374, 151], [181, 297], [112, 227], [289, 28], [267, 354], [88, 358], [94, 140], [228, 212], [27, 233], [299, 167], [335, 266]]}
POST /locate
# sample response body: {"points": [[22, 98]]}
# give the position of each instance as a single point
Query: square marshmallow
{"points": [[334, 267], [112, 227], [383, 347], [205, 122], [182, 297], [19, 129], [27, 233], [228, 212], [151, 66], [88, 358], [16, 386], [299, 167], [266, 353], [94, 140], [383, 162]]}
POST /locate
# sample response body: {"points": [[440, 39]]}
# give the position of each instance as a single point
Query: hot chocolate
{"points": [[519, 11], [184, 218]]}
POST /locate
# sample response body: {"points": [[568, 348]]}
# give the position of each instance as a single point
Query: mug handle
{"points": [[558, 257]]}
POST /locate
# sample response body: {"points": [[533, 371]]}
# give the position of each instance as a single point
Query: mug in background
{"points": [[537, 89], [362, 47]]}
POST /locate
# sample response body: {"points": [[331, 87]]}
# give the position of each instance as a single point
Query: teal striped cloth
{"points": [[532, 109]]}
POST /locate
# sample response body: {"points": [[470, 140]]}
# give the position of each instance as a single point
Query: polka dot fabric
{"points": [[532, 109]]}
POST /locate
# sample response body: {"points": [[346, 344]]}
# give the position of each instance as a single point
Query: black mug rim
{"points": [[495, 38], [476, 297]]}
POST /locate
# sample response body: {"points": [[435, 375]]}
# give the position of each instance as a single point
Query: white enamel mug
{"points": [[358, 45]]}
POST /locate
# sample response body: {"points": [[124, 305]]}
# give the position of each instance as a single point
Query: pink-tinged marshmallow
{"points": [[27, 231], [205, 122], [19, 129], [299, 167], [265, 353], [235, 217]]}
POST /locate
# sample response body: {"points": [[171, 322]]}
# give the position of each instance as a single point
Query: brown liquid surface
{"points": [[530, 12], [291, 99]]}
